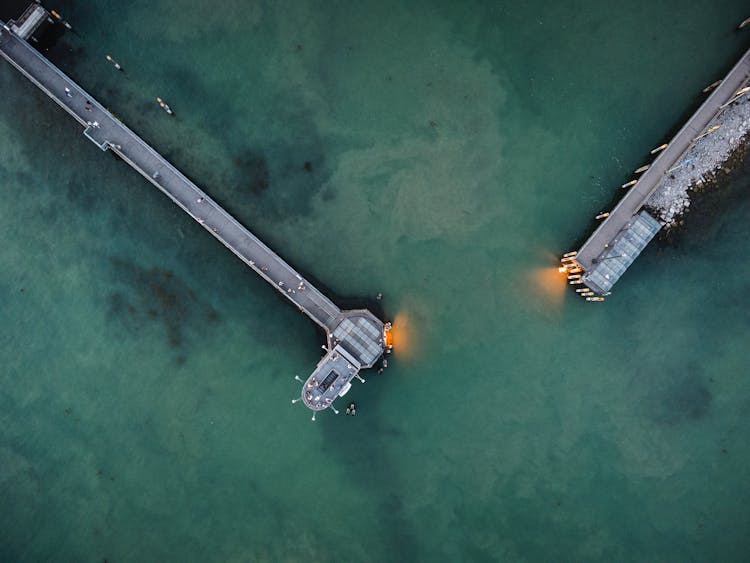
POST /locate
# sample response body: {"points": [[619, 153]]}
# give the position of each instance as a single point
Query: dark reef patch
{"points": [[83, 192], [252, 168], [156, 294], [270, 180], [328, 194], [685, 398]]}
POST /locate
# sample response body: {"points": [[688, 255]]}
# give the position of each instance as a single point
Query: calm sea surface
{"points": [[454, 149]]}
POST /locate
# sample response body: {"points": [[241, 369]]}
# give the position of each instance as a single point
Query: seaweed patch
{"points": [[156, 295]]}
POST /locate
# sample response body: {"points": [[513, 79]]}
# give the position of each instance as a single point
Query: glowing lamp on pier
{"points": [[388, 335]]}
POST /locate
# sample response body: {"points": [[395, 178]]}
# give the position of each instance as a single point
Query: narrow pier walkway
{"points": [[357, 334], [597, 252]]}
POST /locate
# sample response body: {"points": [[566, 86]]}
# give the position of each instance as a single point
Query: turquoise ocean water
{"points": [[454, 149]]}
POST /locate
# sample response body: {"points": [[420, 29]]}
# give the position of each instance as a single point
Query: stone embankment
{"points": [[699, 164]]}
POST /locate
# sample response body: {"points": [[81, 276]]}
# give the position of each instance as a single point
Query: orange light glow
{"points": [[401, 335], [389, 337], [549, 285]]}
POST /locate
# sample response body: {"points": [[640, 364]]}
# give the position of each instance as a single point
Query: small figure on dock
{"points": [[114, 62], [200, 200], [164, 106], [68, 92]]}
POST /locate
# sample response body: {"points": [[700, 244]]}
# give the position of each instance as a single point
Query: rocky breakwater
{"points": [[702, 164]]}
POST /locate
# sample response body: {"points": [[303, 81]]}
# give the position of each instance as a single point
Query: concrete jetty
{"points": [[355, 339], [628, 228]]}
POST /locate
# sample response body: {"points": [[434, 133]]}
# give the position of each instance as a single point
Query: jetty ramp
{"points": [[625, 231], [356, 335]]}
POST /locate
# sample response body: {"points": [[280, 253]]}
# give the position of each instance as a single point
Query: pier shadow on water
{"points": [[361, 445]]}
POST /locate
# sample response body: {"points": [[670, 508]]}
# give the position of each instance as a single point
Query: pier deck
{"points": [[597, 247], [358, 332]]}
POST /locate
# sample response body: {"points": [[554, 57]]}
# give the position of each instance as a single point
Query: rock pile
{"points": [[672, 197]]}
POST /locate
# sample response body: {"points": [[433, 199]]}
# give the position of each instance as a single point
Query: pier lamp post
{"points": [[692, 144], [681, 164], [709, 130], [741, 92], [597, 260]]}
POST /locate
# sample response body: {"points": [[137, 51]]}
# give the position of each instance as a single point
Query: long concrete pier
{"points": [[627, 229], [356, 335]]}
